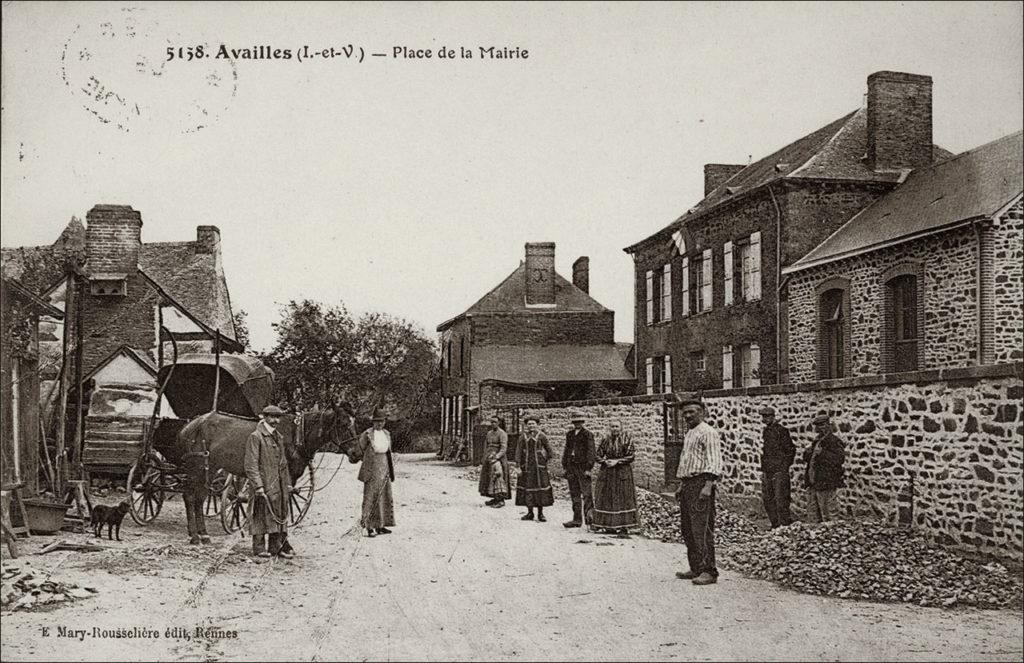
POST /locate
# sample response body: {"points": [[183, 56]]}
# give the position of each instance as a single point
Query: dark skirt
{"points": [[534, 486], [615, 498], [490, 486]]}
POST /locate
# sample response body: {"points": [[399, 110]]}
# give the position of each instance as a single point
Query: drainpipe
{"points": [[979, 286], [778, 287]]}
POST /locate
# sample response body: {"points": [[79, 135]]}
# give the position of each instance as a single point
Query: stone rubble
{"points": [[24, 590]]}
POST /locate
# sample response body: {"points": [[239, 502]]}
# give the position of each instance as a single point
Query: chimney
{"points": [[540, 274], [716, 174], [581, 274], [113, 237], [207, 239], [899, 120]]}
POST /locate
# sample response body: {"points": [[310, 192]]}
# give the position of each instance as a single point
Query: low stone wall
{"points": [[641, 416], [942, 451]]}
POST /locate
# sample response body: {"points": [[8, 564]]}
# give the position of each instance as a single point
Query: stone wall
{"points": [[940, 450], [1008, 284], [641, 416], [948, 321]]}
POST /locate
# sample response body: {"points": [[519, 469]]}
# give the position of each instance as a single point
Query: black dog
{"points": [[111, 516]]}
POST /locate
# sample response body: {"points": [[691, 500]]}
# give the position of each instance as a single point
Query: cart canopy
{"points": [[245, 385]]}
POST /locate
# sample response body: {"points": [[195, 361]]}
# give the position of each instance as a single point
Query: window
{"points": [[659, 374], [448, 357], [698, 361], [750, 365], [703, 285], [726, 367], [650, 298], [903, 320], [833, 334], [665, 310], [462, 356], [728, 273], [685, 275], [750, 257]]}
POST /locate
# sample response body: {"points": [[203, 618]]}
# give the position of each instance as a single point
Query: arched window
{"points": [[833, 334], [903, 322]]}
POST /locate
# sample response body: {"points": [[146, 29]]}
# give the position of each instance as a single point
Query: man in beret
{"points": [[777, 452], [266, 468], [700, 467], [823, 474], [578, 458]]}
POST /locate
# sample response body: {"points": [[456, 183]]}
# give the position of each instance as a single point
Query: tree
{"points": [[323, 356], [242, 328]]}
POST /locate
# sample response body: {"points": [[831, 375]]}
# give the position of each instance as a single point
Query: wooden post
{"points": [[70, 298], [216, 379], [79, 352]]}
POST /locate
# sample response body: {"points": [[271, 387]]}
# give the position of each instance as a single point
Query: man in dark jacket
{"points": [[777, 454], [823, 475], [266, 467], [578, 460]]}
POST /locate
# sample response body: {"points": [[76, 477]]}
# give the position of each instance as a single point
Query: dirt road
{"points": [[459, 581]]}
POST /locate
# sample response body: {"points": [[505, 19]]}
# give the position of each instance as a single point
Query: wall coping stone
{"points": [[965, 373]]}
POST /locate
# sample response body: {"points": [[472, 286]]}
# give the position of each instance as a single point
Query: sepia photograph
{"points": [[498, 331]]}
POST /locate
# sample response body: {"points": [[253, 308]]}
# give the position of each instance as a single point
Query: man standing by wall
{"points": [[700, 466], [578, 460], [823, 474], [777, 454]]}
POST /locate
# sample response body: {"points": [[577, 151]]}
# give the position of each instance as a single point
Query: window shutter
{"points": [[650, 298], [728, 273], [707, 287], [726, 367], [667, 386], [686, 286], [755, 266], [666, 292], [755, 365], [650, 375]]}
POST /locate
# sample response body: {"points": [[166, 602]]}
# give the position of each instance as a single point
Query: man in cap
{"points": [[373, 449], [700, 466], [266, 468], [777, 452], [578, 458], [823, 474], [494, 470]]}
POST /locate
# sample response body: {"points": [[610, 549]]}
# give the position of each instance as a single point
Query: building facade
{"points": [[534, 337], [707, 306]]}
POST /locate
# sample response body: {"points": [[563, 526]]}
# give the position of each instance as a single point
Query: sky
{"points": [[411, 185]]}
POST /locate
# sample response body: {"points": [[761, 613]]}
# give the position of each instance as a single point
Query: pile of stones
{"points": [[659, 519], [871, 560], [22, 589]]}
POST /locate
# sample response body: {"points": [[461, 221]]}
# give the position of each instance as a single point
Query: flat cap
{"points": [[821, 418], [691, 401], [577, 416], [767, 410], [272, 411], [531, 417]]}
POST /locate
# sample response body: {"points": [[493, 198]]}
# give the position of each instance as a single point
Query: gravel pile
{"points": [[22, 589], [659, 519], [874, 561]]}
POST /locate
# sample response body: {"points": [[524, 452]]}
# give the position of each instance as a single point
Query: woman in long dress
{"points": [[614, 491], [533, 489]]}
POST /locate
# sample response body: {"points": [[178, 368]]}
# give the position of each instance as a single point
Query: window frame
{"points": [[833, 353]]}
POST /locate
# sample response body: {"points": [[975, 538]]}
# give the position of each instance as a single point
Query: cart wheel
{"points": [[302, 496], [145, 492], [234, 504], [212, 503]]}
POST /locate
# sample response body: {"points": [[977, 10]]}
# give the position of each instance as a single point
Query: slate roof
{"points": [[835, 151], [974, 184], [509, 296], [552, 363], [190, 278]]}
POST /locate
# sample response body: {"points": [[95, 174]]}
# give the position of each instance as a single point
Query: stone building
{"points": [[534, 337], [707, 310], [129, 290], [930, 276]]}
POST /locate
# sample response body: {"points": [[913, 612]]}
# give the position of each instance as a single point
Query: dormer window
{"points": [[108, 285]]}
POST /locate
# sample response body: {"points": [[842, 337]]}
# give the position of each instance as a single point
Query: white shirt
{"points": [[381, 441]]}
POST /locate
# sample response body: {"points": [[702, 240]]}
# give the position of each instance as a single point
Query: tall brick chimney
{"points": [[899, 120], [540, 273], [113, 238], [581, 274], [717, 173], [207, 239]]}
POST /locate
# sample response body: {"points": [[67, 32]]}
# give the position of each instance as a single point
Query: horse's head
{"points": [[330, 430]]}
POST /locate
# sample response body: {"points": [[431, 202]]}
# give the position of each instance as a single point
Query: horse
{"points": [[216, 441]]}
